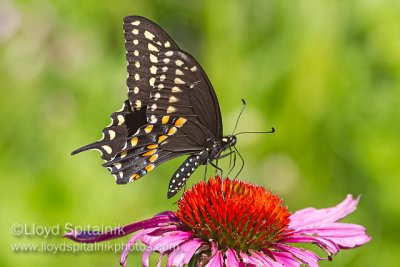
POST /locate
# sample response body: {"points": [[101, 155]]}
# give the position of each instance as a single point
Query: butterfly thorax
{"points": [[215, 148]]}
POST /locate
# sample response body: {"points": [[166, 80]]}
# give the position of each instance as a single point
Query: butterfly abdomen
{"points": [[183, 173]]}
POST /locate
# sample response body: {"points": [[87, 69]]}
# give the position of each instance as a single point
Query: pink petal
{"points": [[286, 259], [216, 260], [267, 261], [184, 253], [145, 256], [170, 240], [231, 258], [214, 248], [311, 217], [345, 235], [329, 246], [130, 243], [304, 255], [251, 261], [157, 234], [160, 220]]}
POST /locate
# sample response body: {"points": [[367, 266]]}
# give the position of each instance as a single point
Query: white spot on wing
{"points": [[176, 89], [153, 69], [135, 23], [153, 119], [121, 119], [153, 58], [107, 149], [173, 99], [179, 62], [151, 81], [151, 47], [178, 81], [148, 35], [112, 134], [171, 109]]}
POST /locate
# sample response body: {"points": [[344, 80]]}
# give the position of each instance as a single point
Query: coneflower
{"points": [[235, 223]]}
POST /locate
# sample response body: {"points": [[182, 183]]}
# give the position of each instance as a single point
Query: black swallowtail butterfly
{"points": [[171, 110]]}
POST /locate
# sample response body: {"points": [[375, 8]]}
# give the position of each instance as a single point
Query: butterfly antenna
{"points": [[240, 114], [271, 131]]}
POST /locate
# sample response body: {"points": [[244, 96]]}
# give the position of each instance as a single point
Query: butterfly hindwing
{"points": [[150, 146], [123, 123]]}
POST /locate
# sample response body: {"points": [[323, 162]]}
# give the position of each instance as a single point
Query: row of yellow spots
{"points": [[151, 153]]}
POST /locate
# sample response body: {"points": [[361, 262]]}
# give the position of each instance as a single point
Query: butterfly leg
{"points": [[205, 172], [216, 168], [241, 158], [234, 162], [230, 159], [229, 154]]}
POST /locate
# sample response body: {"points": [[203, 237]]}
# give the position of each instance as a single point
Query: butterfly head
{"points": [[228, 141]]}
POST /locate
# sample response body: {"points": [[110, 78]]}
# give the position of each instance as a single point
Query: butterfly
{"points": [[171, 110]]}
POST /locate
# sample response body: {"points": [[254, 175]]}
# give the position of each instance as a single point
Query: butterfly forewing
{"points": [[143, 41], [181, 87]]}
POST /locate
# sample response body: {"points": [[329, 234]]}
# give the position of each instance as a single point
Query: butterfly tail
{"points": [[91, 146]]}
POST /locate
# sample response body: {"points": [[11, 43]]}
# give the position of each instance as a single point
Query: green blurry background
{"points": [[325, 74]]}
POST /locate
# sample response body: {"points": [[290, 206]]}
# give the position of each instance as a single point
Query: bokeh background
{"points": [[325, 74]]}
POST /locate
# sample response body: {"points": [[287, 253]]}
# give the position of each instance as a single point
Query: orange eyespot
{"points": [[149, 167], [162, 138], [153, 158], [179, 122], [172, 131], [134, 176], [152, 146], [149, 128], [165, 119], [134, 141], [149, 153]]}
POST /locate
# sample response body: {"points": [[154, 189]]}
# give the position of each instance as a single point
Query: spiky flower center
{"points": [[234, 214]]}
